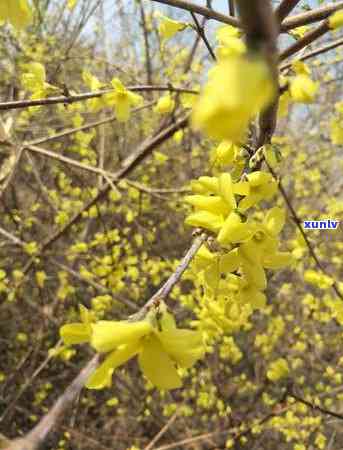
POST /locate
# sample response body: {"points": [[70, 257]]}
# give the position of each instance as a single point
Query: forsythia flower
{"points": [[17, 12], [122, 100], [34, 80], [165, 105], [260, 186], [168, 27], [238, 88], [278, 369], [160, 346], [230, 43], [78, 333], [336, 20], [303, 89]]}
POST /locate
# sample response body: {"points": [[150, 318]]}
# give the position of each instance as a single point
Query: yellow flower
{"points": [[34, 80], [336, 20], [260, 186], [122, 100], [262, 247], [165, 105], [336, 131], [160, 347], [167, 27], [303, 89], [238, 89], [230, 42], [278, 369], [78, 333], [18, 12]]}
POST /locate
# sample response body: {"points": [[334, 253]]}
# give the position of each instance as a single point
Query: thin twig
{"points": [[201, 33], [202, 10], [298, 221], [315, 407], [162, 431], [316, 52], [86, 96], [38, 434], [307, 39], [128, 165], [166, 288]]}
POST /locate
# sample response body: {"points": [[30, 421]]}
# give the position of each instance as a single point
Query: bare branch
{"points": [[261, 29], [201, 32], [316, 52], [298, 222], [309, 17], [284, 8], [307, 39], [164, 291], [202, 10], [37, 435], [128, 165], [86, 96]]}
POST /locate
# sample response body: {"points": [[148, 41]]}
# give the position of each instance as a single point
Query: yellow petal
{"points": [[75, 333], [277, 260], [254, 274], [205, 219], [225, 114], [157, 366], [173, 342], [18, 12], [234, 230], [336, 20], [275, 220], [107, 335], [258, 178], [303, 89], [241, 188], [211, 203], [102, 377], [229, 262], [226, 190]]}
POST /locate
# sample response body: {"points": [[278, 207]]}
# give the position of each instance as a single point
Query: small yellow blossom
{"points": [[336, 20], [165, 104], [303, 89]]}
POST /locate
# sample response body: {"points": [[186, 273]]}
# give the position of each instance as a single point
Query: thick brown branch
{"points": [[309, 17], [259, 23], [284, 8], [305, 40]]}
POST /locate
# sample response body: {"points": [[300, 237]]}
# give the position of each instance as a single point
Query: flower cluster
{"points": [[158, 343], [233, 276]]}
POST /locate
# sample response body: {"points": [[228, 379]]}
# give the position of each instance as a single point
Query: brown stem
{"points": [[201, 33], [307, 39], [37, 435], [298, 222], [315, 52], [309, 17], [284, 8], [85, 96], [202, 10]]}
